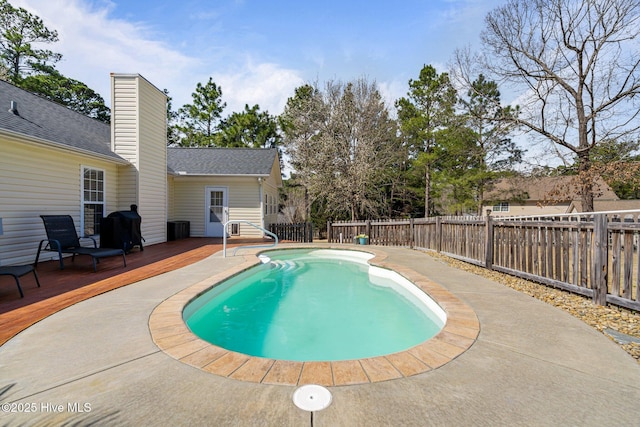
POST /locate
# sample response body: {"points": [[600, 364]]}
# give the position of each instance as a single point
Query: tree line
{"points": [[200, 123], [33, 69], [573, 66]]}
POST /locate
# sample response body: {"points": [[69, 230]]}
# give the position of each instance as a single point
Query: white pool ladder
{"points": [[242, 221]]}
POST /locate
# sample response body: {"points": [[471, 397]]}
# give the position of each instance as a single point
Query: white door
{"points": [[217, 211]]}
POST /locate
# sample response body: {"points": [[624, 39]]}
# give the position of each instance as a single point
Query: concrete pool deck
{"points": [[531, 364]]}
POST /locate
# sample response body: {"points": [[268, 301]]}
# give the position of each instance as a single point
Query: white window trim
{"points": [[500, 207], [83, 169]]}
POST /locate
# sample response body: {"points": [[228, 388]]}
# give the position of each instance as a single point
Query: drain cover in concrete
{"points": [[312, 397]]}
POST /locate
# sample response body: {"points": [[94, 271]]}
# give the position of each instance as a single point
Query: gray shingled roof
{"points": [[43, 119], [40, 118], [221, 161]]}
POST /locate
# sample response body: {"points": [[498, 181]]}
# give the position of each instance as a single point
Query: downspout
{"points": [[261, 195]]}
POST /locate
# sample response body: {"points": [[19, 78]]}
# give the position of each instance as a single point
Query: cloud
{"points": [[267, 84], [94, 44], [391, 91]]}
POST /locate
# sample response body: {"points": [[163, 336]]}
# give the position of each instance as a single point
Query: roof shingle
{"points": [[221, 161], [43, 119], [40, 118]]}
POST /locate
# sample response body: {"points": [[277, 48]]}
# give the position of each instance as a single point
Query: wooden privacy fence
{"points": [[300, 232], [594, 254]]}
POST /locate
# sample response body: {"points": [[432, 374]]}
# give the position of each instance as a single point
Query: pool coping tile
{"points": [[407, 363], [227, 364], [284, 372], [380, 369], [348, 372], [206, 355], [170, 333], [316, 373], [254, 370]]}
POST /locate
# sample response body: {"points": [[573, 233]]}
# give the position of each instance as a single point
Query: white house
{"points": [[210, 185], [56, 161]]}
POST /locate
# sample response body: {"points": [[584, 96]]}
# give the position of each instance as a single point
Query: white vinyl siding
{"points": [[152, 195], [37, 180], [124, 120], [270, 204], [127, 185], [243, 196], [270, 189], [139, 135], [246, 197], [124, 137], [171, 215]]}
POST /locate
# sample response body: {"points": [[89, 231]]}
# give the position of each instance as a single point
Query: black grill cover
{"points": [[121, 230]]}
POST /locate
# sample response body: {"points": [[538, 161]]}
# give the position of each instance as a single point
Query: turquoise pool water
{"points": [[315, 305]]}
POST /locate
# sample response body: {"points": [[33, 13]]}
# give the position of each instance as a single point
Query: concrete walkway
{"points": [[532, 365]]}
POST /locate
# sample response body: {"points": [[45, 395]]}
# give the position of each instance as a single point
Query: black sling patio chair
{"points": [[63, 238], [17, 271]]}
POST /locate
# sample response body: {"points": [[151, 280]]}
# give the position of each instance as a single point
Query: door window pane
{"points": [[216, 209], [215, 214]]}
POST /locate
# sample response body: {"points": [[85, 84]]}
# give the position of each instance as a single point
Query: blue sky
{"points": [[258, 51]]}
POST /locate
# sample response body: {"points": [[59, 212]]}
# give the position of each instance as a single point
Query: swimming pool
{"points": [[315, 305]]}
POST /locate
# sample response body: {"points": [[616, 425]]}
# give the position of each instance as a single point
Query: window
{"points": [[235, 229], [216, 210], [92, 200], [501, 207]]}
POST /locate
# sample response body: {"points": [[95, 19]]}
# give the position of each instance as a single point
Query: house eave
{"points": [[212, 175], [135, 75], [27, 139]]}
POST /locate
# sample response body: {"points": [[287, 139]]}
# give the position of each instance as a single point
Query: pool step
{"points": [[286, 265]]}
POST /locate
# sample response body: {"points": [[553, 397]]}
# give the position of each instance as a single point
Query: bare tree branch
{"points": [[578, 65]]}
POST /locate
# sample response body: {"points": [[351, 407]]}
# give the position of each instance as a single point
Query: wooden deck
{"points": [[77, 282]]}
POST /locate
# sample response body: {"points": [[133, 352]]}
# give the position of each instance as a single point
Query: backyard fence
{"points": [[300, 232], [594, 254]]}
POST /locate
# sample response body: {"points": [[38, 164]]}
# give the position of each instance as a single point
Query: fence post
{"points": [[368, 229], [600, 257], [412, 229], [438, 234], [488, 249], [329, 237]]}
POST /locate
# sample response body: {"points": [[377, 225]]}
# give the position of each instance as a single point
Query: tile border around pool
{"points": [[172, 336]]}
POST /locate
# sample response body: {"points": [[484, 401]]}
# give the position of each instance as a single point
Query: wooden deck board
{"points": [[77, 282]]}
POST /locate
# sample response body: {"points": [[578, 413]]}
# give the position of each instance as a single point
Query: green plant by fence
{"points": [[592, 254]]}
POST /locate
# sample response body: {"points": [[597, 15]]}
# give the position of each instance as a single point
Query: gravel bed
{"points": [[603, 318]]}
